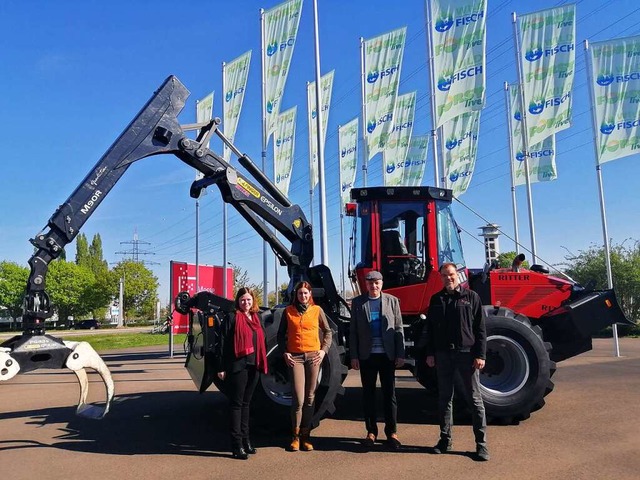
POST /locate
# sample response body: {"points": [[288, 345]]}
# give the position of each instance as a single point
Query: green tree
{"points": [[589, 265], [271, 297], [69, 286], [104, 286], [96, 261], [13, 282], [140, 289], [241, 279], [82, 250], [506, 259], [103, 290]]}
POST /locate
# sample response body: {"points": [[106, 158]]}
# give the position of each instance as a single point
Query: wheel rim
{"points": [[276, 384], [507, 368]]}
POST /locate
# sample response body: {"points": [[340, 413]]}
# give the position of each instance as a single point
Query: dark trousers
{"points": [[447, 364], [379, 364], [240, 388]]}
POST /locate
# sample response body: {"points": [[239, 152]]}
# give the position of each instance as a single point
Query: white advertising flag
{"points": [[542, 156], [382, 62], [348, 146], [615, 77], [542, 163], [460, 136], [235, 74], [548, 59], [281, 30], [415, 161], [458, 38], [204, 110], [326, 87], [283, 148], [204, 113], [395, 144]]}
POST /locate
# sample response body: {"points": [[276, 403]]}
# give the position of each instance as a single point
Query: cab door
{"points": [[403, 257]]}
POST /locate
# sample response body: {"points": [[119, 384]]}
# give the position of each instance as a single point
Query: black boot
{"points": [[239, 453], [248, 446]]}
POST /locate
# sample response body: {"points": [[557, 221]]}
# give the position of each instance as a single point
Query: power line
{"points": [[135, 251]]}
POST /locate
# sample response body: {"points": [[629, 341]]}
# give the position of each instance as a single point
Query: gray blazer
{"points": [[360, 331]]}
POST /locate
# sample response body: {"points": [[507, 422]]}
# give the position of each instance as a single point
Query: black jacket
{"points": [[468, 330], [229, 361]]}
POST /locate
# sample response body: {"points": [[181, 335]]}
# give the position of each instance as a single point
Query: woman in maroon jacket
{"points": [[244, 357]]}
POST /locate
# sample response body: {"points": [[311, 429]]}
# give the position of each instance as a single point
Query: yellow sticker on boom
{"points": [[248, 187]]}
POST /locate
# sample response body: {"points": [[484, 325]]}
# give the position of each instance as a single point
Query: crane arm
{"points": [[156, 130]]}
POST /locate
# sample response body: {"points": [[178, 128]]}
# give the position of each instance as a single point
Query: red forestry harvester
{"points": [[533, 319]]}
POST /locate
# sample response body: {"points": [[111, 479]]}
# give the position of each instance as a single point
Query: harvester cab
{"points": [[405, 233]]}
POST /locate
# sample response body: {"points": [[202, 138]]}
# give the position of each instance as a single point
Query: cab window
{"points": [[449, 243], [402, 243]]}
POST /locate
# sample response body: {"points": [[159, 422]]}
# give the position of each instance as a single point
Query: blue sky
{"points": [[74, 74]]}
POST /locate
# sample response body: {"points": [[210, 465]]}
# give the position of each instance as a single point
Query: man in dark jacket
{"points": [[455, 340]]}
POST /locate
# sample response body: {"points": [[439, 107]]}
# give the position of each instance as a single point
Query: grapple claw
{"points": [[9, 367], [84, 356]]}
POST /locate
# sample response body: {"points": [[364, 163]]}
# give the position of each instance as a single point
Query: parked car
{"points": [[90, 324]]}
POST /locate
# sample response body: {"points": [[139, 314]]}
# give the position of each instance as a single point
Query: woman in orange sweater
{"points": [[302, 327]]}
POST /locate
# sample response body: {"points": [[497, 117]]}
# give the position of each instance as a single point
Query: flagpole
{"points": [[342, 270], [275, 235], [525, 140], [324, 250], [197, 224], [365, 148], [275, 270], [603, 214], [197, 246], [434, 128], [444, 180], [511, 157], [224, 204], [311, 177], [264, 151]]}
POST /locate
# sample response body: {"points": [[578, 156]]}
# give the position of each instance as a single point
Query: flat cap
{"points": [[373, 275]]}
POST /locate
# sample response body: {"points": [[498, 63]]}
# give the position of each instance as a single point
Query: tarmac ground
{"points": [[160, 427]]}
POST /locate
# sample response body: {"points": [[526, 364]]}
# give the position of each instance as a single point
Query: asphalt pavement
{"points": [[160, 427]]}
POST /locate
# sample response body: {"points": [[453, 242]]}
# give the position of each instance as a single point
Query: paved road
{"points": [[160, 428]]}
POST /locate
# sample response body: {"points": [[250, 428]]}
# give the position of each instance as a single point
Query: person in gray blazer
{"points": [[376, 347]]}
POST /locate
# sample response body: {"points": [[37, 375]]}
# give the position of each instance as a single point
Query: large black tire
{"points": [[426, 376], [272, 398], [518, 370]]}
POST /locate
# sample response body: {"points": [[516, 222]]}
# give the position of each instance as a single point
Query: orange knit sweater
{"points": [[303, 329]]}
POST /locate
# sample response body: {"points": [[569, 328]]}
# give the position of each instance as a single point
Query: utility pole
{"points": [[121, 304], [135, 251], [134, 254]]}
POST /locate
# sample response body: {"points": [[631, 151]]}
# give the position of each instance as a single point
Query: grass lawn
{"points": [[115, 342]]}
